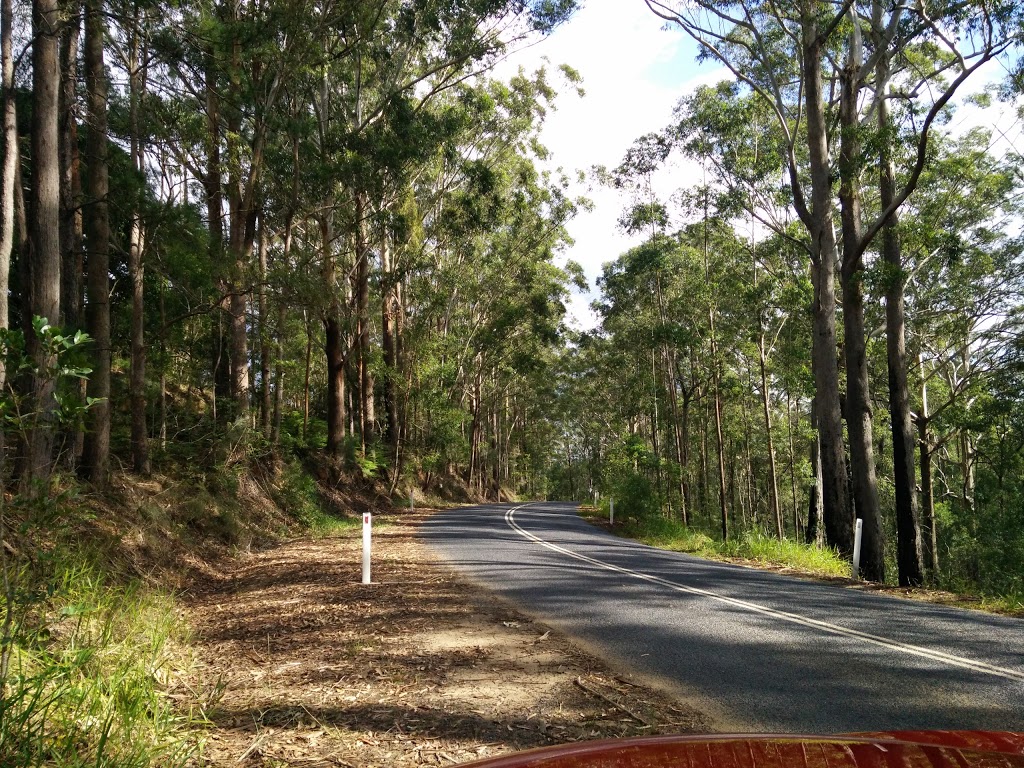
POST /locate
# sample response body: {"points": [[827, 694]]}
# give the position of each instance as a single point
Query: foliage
{"points": [[297, 493]]}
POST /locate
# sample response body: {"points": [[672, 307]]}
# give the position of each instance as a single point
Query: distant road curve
{"points": [[759, 651]]}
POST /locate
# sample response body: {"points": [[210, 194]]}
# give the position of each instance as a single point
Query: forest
{"points": [[255, 238], [825, 325]]}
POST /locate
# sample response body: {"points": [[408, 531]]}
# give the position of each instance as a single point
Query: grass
{"points": [[673, 535], [100, 664], [91, 668]]}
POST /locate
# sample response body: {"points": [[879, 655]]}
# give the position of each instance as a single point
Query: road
{"points": [[758, 651]]}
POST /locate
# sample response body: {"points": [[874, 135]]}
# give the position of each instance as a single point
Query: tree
{"points": [[96, 458], [44, 225]]}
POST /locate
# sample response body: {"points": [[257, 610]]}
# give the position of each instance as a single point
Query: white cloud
{"points": [[633, 73]]}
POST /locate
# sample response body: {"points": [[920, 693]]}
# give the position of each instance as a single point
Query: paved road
{"points": [[757, 650]]}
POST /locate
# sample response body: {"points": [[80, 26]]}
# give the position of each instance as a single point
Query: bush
{"points": [[299, 496]]}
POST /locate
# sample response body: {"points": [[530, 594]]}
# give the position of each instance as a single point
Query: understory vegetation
{"points": [[752, 546]]}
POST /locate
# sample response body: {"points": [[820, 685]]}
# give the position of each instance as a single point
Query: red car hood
{"points": [[893, 749]]}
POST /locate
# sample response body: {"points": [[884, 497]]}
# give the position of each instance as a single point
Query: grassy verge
{"points": [[92, 673], [671, 534], [805, 558], [95, 663]]}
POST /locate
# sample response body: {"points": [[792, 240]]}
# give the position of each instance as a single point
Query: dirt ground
{"points": [[308, 667]]}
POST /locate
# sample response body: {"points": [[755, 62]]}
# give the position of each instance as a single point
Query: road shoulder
{"points": [[418, 668]]}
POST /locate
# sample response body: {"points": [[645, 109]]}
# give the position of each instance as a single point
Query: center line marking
{"points": [[835, 629]]}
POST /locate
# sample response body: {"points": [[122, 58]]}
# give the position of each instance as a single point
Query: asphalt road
{"points": [[758, 651]]}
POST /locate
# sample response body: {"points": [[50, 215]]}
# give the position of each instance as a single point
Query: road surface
{"points": [[758, 651]]}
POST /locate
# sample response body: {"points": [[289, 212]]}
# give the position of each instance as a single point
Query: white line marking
{"points": [[914, 650]]}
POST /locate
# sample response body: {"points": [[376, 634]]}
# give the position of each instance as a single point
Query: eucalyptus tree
{"points": [[8, 169], [788, 56], [44, 227], [96, 458], [963, 289]]}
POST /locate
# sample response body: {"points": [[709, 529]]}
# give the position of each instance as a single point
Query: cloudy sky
{"points": [[634, 71]]}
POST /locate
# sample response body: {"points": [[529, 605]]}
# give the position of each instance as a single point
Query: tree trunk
{"points": [[70, 181], [44, 223], [212, 187], [265, 350], [815, 502], [163, 366], [279, 376], [334, 348], [136, 249], [858, 399], [305, 384], [909, 557], [673, 398], [773, 482], [241, 226], [279, 371], [391, 367], [8, 171], [722, 502], [927, 492], [792, 468], [334, 343], [836, 512], [96, 458], [140, 436], [361, 289]]}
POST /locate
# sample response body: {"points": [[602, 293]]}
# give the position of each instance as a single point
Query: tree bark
{"points": [[265, 348], [909, 556], [927, 491], [361, 289], [241, 227], [792, 467], [136, 248], [279, 376], [212, 188], [815, 533], [392, 373], [44, 223], [773, 482], [70, 181], [858, 399], [334, 343], [836, 511], [668, 358], [96, 458], [9, 169]]}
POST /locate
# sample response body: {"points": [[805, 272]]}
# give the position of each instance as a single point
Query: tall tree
{"points": [[44, 223], [8, 169], [96, 459]]}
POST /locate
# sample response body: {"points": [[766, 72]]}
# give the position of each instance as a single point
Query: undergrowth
{"points": [[91, 665], [298, 494], [98, 662], [673, 535]]}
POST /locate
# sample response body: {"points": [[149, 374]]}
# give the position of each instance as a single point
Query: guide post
{"points": [[856, 547], [367, 522]]}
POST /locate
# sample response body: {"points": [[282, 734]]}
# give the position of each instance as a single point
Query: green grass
{"points": [[91, 665], [673, 535]]}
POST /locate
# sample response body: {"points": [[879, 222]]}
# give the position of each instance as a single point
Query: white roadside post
{"points": [[858, 534], [412, 505], [367, 521], [611, 511]]}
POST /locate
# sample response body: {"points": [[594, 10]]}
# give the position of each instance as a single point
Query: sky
{"points": [[634, 72]]}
